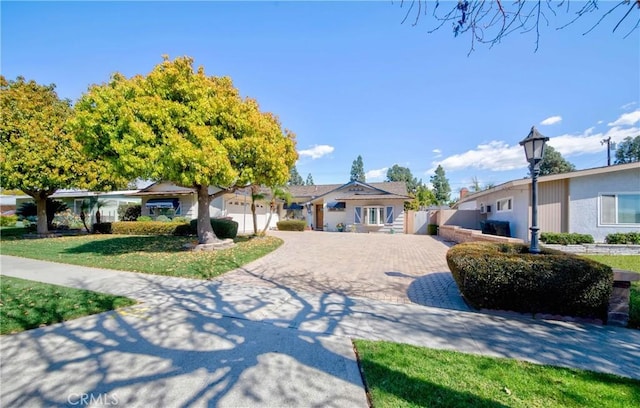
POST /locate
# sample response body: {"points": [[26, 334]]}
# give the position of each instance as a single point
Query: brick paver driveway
{"points": [[391, 267]]}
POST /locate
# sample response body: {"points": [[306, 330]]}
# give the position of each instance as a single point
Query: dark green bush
{"points": [[102, 228], [223, 227], [632, 238], [8, 220], [494, 227], [508, 277], [149, 228], [291, 225], [30, 209], [564, 238], [432, 229], [129, 212]]}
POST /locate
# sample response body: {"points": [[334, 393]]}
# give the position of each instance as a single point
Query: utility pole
{"points": [[608, 142]]}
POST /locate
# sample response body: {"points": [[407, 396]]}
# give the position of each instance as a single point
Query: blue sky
{"points": [[349, 79]]}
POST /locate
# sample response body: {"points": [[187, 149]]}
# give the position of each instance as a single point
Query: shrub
{"points": [[508, 277], [565, 238], [8, 220], [291, 225], [180, 219], [129, 212], [102, 228], [494, 227], [163, 218], [144, 218], [183, 229], [223, 227], [148, 228], [432, 229], [66, 220], [632, 238], [30, 209]]}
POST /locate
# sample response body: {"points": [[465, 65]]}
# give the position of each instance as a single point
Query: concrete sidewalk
{"points": [[204, 343]]}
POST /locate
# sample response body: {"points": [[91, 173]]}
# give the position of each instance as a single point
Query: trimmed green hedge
{"points": [[632, 238], [291, 225], [432, 229], [565, 238], [223, 228], [508, 277], [149, 228]]}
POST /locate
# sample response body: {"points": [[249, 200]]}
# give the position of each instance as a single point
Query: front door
{"points": [[319, 217]]}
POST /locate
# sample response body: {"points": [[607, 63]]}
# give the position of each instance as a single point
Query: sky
{"points": [[349, 78]]}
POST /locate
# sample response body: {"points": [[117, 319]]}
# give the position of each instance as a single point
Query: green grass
{"points": [[399, 375], [630, 263], [26, 304], [160, 255]]}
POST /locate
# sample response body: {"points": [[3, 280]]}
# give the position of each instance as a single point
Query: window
{"points": [[504, 205], [620, 208], [370, 215], [160, 206]]}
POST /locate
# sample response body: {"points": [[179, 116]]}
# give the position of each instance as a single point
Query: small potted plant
{"points": [[340, 227]]}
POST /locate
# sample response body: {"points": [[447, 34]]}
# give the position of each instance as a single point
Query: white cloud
{"points": [[500, 156], [376, 175], [317, 151], [437, 153], [628, 105], [551, 120], [627, 119]]}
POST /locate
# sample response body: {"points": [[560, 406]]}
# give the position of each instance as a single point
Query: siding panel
{"points": [[553, 206]]}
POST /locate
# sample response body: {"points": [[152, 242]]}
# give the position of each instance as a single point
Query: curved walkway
{"points": [[231, 343]]}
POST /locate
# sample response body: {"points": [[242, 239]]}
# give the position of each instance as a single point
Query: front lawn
{"points": [[160, 255], [399, 375], [630, 263], [26, 304]]}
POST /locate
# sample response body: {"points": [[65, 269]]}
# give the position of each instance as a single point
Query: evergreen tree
{"points": [[441, 187], [357, 170], [399, 173], [553, 162], [309, 180], [628, 150], [294, 177]]}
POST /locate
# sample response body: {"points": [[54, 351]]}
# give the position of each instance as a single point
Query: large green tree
{"points": [[628, 150], [38, 153], [357, 170], [180, 125], [400, 173], [553, 162], [441, 187], [295, 179]]}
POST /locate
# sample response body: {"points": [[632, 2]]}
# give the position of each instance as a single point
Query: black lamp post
{"points": [[534, 150]]}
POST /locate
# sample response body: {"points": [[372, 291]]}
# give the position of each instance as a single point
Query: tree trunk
{"points": [[254, 192], [41, 204], [266, 226], [205, 232]]}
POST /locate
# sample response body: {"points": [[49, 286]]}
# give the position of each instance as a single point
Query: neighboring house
{"points": [[165, 198], [597, 201], [367, 207], [110, 201]]}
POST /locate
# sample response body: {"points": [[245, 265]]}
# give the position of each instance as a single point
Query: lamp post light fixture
{"points": [[534, 145]]}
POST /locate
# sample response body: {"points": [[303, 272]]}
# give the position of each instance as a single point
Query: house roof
{"points": [[552, 177], [86, 193], [388, 190]]}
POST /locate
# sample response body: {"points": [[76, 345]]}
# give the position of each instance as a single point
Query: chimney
{"points": [[463, 192]]}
